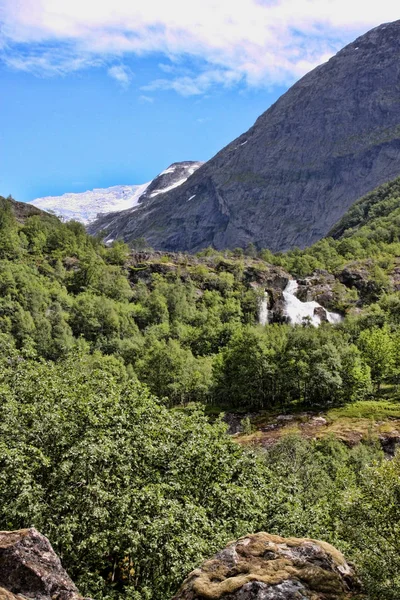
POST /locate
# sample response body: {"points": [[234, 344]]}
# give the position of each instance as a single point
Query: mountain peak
{"points": [[330, 139]]}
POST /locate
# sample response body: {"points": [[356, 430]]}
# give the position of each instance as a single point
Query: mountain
{"points": [[330, 139], [86, 206]]}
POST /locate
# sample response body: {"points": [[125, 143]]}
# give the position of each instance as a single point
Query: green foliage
{"points": [[280, 365], [134, 491], [372, 529], [313, 481], [187, 327], [131, 495], [377, 348]]}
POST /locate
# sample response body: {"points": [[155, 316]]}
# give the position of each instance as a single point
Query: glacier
{"points": [[87, 206]]}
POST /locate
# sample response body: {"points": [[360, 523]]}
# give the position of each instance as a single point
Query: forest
{"points": [[112, 371]]}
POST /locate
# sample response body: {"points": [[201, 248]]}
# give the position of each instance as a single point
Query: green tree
{"points": [[372, 529], [377, 349], [131, 495]]}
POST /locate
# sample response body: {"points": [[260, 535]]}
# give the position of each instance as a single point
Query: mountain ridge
{"points": [[87, 206], [330, 139]]}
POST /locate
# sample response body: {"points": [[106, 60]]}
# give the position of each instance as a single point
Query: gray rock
{"points": [[333, 137], [29, 567]]}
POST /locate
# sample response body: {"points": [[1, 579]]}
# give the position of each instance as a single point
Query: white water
{"points": [[263, 310], [297, 310]]}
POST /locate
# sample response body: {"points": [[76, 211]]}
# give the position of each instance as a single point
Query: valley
{"points": [[113, 357], [210, 356]]}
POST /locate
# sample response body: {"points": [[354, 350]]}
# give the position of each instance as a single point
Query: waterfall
{"points": [[296, 310], [263, 310]]}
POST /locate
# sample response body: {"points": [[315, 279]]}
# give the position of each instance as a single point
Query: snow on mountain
{"points": [[87, 206], [114, 223]]}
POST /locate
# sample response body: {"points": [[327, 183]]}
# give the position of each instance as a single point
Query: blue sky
{"points": [[102, 93]]}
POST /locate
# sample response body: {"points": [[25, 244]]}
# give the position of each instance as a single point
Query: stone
{"points": [[30, 568], [319, 421], [321, 313], [268, 567]]}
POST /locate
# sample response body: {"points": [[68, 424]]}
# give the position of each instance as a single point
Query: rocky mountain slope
{"points": [[334, 136], [86, 206]]}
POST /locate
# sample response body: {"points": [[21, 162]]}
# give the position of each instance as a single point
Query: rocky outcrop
{"points": [[327, 290], [29, 568], [333, 137], [269, 567]]}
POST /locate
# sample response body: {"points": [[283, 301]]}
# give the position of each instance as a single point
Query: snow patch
{"points": [[169, 170], [167, 189]]}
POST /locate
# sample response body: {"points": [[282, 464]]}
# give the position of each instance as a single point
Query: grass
{"points": [[364, 420], [377, 410]]}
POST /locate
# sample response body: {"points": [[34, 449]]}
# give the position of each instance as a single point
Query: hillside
{"points": [[114, 367], [333, 137]]}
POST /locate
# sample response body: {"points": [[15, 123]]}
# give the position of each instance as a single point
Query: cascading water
{"points": [[296, 310], [263, 310]]}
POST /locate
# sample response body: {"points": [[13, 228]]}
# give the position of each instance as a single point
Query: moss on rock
{"points": [[264, 566]]}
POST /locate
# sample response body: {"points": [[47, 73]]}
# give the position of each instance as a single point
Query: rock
{"points": [[390, 443], [319, 421], [355, 275], [321, 313], [269, 567], [235, 421], [358, 275], [276, 306], [272, 277], [5, 595], [30, 568], [324, 288]]}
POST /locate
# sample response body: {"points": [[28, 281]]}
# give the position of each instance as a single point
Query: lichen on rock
{"points": [[269, 567]]}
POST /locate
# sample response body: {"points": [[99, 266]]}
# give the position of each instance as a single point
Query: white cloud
{"points": [[259, 42], [146, 99], [121, 74], [196, 85], [48, 62]]}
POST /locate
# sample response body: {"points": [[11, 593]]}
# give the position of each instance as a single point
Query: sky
{"points": [[97, 93]]}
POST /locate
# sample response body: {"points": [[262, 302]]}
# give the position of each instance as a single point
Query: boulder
{"points": [[269, 567], [321, 313], [30, 568]]}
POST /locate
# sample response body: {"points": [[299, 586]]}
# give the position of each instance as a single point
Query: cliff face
{"points": [[334, 136]]}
